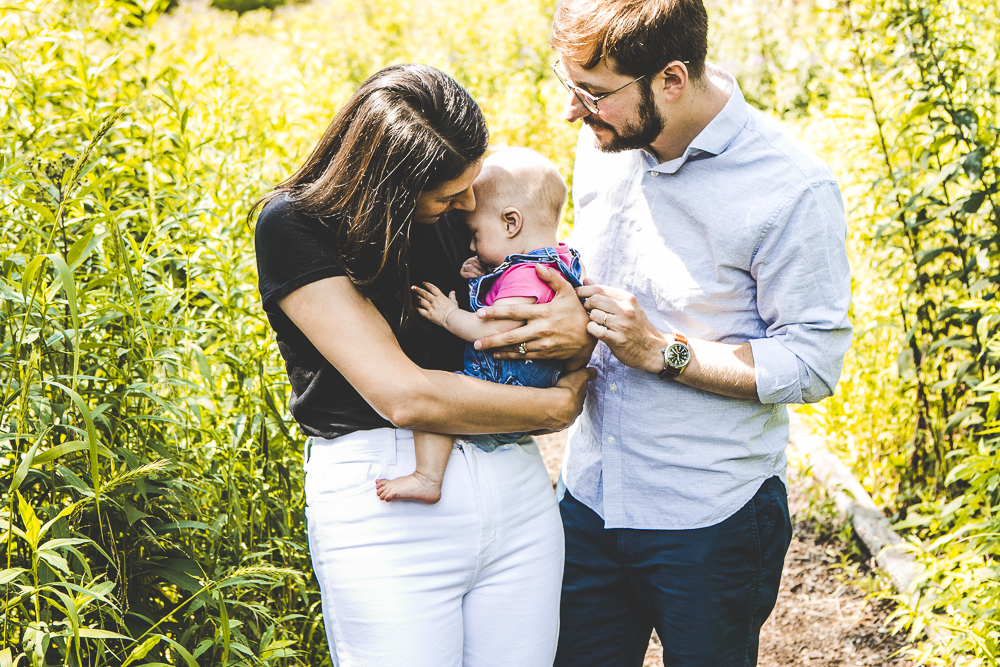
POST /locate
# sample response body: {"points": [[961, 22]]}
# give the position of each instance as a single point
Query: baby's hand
{"points": [[471, 269], [434, 305]]}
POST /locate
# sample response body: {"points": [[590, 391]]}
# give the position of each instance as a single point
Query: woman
{"points": [[474, 579]]}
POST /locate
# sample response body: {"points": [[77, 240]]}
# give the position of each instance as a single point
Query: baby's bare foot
{"points": [[418, 487]]}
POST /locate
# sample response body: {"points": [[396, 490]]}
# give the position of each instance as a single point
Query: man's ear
{"points": [[512, 221], [675, 80]]}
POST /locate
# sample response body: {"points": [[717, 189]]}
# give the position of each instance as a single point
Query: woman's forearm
{"points": [[349, 331], [449, 403]]}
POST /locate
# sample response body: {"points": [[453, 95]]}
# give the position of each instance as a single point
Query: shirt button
{"points": [[654, 174], [638, 227], [611, 439], [614, 387]]}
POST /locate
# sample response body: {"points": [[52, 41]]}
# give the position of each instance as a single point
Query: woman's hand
{"points": [[434, 305], [574, 384], [553, 330]]}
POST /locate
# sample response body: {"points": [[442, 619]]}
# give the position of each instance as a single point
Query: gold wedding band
{"points": [[605, 322], [522, 349]]}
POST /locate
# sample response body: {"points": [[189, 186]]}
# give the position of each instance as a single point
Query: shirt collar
{"points": [[719, 133]]}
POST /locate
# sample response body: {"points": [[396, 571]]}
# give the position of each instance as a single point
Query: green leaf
{"points": [[29, 275], [70, 608], [81, 248], [183, 652], [69, 448], [47, 215], [131, 513], [173, 525], [957, 418], [914, 520], [97, 633], [61, 542], [81, 405], [54, 559], [32, 525], [25, 465], [10, 574], [973, 202], [142, 649], [69, 286], [926, 256]]}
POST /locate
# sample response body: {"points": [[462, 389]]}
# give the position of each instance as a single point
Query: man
{"points": [[717, 247]]}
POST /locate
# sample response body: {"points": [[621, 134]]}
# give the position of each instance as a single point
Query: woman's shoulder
{"points": [[279, 211], [279, 218]]}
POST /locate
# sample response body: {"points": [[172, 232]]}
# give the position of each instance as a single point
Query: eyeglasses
{"points": [[589, 101]]}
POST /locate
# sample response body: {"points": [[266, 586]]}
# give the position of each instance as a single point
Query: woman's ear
{"points": [[512, 221]]}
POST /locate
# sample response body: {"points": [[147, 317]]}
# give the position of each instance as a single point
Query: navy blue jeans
{"points": [[706, 590]]}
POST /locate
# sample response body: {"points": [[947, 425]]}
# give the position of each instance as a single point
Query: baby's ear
{"points": [[512, 221]]}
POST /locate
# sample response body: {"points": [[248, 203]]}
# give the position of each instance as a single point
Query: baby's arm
{"points": [[444, 311]]}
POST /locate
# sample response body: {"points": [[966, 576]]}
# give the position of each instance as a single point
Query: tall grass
{"points": [[152, 502]]}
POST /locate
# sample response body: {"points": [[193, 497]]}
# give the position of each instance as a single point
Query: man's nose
{"points": [[574, 109]]}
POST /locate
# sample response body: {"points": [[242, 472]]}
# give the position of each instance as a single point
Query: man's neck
{"points": [[690, 114]]}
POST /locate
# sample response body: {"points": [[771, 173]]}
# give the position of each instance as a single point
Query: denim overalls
{"points": [[527, 373]]}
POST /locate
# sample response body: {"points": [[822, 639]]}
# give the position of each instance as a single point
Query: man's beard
{"points": [[631, 135]]}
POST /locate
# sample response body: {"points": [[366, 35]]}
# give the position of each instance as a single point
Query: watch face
{"points": [[678, 355]]}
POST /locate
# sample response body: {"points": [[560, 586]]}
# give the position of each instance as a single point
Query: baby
{"points": [[519, 200]]}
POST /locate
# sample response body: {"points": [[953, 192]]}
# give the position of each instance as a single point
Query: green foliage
{"points": [[151, 507], [900, 96], [151, 502], [243, 6], [907, 114], [153, 513]]}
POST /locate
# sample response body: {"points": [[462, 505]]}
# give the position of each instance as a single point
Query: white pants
{"points": [[472, 581]]}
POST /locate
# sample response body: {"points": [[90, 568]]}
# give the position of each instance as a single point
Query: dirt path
{"points": [[818, 621]]}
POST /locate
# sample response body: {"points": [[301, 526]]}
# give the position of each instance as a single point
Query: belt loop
{"points": [[388, 451], [306, 452], [392, 448]]}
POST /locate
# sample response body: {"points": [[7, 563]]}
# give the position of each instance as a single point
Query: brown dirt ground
{"points": [[822, 619]]}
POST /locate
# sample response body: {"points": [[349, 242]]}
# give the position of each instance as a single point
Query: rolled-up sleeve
{"points": [[803, 294]]}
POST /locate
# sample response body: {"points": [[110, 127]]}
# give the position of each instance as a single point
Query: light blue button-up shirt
{"points": [[742, 238]]}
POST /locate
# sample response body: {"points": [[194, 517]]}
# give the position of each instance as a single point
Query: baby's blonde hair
{"points": [[525, 179]]}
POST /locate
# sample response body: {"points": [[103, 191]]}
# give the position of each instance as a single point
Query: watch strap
{"points": [[668, 372]]}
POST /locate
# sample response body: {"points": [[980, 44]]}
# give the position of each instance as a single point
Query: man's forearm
{"points": [[721, 368]]}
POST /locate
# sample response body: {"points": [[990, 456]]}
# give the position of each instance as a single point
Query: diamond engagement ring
{"points": [[522, 349]]}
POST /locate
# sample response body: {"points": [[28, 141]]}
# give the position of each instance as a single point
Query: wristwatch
{"points": [[676, 356]]}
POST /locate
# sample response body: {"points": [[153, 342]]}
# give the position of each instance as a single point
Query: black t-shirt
{"points": [[294, 250]]}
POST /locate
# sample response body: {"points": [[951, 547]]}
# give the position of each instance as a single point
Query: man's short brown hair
{"points": [[637, 37]]}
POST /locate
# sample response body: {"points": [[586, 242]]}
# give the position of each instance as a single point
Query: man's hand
{"points": [[617, 319], [434, 305], [553, 330], [471, 268]]}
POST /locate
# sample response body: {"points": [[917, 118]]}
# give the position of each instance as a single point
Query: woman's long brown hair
{"points": [[407, 129]]}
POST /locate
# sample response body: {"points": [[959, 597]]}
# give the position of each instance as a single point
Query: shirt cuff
{"points": [[776, 369]]}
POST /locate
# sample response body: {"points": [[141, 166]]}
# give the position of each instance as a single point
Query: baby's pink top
{"points": [[522, 280]]}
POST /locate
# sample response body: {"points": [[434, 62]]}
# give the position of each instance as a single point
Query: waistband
{"points": [[362, 445]]}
